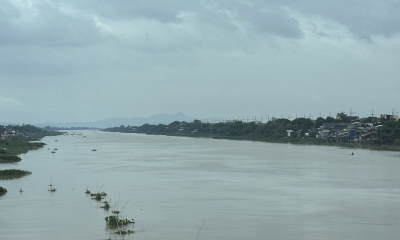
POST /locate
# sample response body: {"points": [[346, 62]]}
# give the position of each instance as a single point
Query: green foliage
{"points": [[116, 221], [2, 191], [275, 130], [319, 121], [19, 145], [9, 158], [330, 120], [13, 173], [342, 117], [370, 120]]}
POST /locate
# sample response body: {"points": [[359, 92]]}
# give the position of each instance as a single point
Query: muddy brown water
{"points": [[171, 185]]}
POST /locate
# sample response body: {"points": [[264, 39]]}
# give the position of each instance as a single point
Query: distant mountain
{"points": [[115, 122]]}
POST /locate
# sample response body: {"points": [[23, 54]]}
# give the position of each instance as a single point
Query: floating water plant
{"points": [[97, 196], [106, 206], [2, 191], [116, 221]]}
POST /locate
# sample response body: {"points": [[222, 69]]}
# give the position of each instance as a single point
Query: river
{"points": [[179, 188]]}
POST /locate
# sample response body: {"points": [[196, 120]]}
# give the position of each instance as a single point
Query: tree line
{"points": [[388, 133]]}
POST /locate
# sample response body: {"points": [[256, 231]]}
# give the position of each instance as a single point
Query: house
{"points": [[328, 125], [389, 117], [354, 118], [323, 134], [289, 132]]}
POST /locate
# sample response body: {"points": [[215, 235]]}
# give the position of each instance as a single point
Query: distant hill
{"points": [[114, 122]]}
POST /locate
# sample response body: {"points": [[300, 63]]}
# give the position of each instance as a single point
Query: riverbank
{"points": [[9, 174], [300, 141], [12, 147]]}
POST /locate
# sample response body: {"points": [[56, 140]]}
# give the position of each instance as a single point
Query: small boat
{"points": [[53, 152], [94, 150]]}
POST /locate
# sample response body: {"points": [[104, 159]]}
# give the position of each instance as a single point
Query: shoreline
{"points": [[305, 141], [16, 147]]}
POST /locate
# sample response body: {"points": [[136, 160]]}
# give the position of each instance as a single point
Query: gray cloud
{"points": [[84, 60], [363, 18], [46, 24]]}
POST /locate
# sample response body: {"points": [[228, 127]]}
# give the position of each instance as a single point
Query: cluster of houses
{"points": [[341, 132], [6, 133], [356, 131]]}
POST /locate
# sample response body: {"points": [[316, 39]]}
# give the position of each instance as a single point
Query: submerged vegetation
{"points": [[13, 173], [115, 221]]}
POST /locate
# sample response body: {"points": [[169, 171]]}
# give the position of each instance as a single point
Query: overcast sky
{"points": [[80, 60]]}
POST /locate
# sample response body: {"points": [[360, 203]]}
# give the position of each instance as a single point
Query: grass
{"points": [[13, 173]]}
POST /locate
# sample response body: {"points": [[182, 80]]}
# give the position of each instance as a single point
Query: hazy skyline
{"points": [[75, 60]]}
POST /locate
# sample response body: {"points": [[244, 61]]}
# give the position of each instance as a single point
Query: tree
{"points": [[342, 117], [319, 121], [330, 119]]}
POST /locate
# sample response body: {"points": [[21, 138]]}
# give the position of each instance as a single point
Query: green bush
{"points": [[2, 191]]}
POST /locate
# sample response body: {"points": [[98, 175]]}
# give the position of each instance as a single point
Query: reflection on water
{"points": [[170, 186]]}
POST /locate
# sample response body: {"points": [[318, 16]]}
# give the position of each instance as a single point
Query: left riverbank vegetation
{"points": [[343, 130], [9, 174], [16, 140]]}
